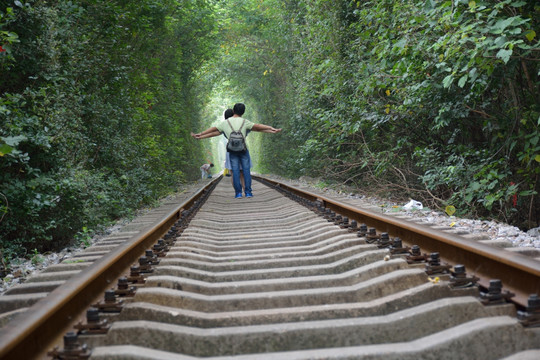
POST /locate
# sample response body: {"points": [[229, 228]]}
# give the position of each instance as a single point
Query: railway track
{"points": [[277, 277]]}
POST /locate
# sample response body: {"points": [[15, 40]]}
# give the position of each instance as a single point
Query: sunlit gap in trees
{"points": [[221, 99]]}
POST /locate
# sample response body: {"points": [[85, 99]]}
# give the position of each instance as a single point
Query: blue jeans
{"points": [[237, 159]]}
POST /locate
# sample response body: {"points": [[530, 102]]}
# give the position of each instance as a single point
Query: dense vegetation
{"points": [[96, 106], [437, 100]]}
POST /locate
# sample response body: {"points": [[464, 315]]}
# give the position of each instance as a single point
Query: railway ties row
{"points": [[269, 278]]}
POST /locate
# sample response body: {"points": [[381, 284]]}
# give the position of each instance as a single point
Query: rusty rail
{"points": [[38, 328], [518, 273]]}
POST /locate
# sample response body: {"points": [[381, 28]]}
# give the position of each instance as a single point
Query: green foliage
{"points": [[84, 236], [439, 98], [36, 258], [93, 111], [436, 100], [453, 78], [469, 179]]}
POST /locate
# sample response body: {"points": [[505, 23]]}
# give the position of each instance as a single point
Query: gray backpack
{"points": [[236, 142]]}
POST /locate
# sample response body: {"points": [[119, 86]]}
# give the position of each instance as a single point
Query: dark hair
{"points": [[211, 165], [239, 109], [228, 113]]}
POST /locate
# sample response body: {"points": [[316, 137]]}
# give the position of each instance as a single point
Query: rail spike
{"points": [[72, 350], [459, 278], [416, 256], [434, 265], [530, 317], [110, 304], [94, 325], [495, 295]]}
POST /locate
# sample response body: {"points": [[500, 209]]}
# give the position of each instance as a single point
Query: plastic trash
{"points": [[413, 204]]}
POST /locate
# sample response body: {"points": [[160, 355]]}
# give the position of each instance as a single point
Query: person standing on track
{"points": [[238, 158], [229, 113]]}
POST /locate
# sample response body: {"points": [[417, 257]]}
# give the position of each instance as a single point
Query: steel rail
{"points": [[519, 274], [36, 330]]}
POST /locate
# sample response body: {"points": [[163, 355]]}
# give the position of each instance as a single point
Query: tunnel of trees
{"points": [[430, 99]]}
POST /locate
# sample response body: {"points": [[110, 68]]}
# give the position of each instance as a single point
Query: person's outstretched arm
{"points": [[265, 128], [210, 132], [205, 132], [207, 135]]}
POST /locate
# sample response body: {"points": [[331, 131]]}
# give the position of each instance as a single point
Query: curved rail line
{"points": [[267, 278]]}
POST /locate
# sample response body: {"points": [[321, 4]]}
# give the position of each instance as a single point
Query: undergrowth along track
{"points": [[270, 278]]}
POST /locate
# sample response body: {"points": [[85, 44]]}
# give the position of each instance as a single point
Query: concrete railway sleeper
{"points": [[283, 277]]}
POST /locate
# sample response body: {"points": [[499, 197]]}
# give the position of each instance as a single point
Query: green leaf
{"points": [[500, 41], [518, 3], [430, 4], [525, 47], [537, 158], [502, 24], [530, 35], [504, 55], [462, 81], [13, 140], [472, 74], [5, 149], [447, 81]]}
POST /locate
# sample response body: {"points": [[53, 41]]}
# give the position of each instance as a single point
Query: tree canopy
{"points": [[436, 100]]}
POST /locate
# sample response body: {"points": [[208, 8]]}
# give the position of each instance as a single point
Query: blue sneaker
{"points": [[249, 195], [238, 196]]}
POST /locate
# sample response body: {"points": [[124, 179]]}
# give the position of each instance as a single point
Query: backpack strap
{"points": [[230, 125], [241, 126]]}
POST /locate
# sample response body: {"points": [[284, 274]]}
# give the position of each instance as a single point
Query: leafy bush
{"points": [[93, 104], [435, 99]]}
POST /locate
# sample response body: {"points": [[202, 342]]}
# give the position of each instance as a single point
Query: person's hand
{"points": [[275, 131], [196, 136]]}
